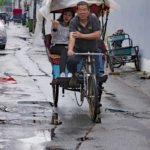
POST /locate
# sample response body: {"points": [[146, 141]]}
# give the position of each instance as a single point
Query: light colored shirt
{"points": [[61, 36]]}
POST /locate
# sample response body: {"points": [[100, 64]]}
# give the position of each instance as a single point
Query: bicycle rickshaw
{"points": [[4, 17], [122, 51], [86, 86]]}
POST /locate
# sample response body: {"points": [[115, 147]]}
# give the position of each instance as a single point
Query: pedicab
{"points": [[122, 51], [86, 85], [4, 17], [17, 15]]}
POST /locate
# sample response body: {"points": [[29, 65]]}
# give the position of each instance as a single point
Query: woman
{"points": [[60, 37]]}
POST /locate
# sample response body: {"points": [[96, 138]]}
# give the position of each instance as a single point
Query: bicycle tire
{"points": [[55, 94], [92, 97], [111, 66], [137, 63]]}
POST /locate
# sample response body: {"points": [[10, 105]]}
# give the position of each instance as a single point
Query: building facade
{"points": [[133, 18]]}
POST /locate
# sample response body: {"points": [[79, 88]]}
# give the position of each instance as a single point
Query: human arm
{"points": [[71, 44], [48, 40], [94, 35], [55, 24]]}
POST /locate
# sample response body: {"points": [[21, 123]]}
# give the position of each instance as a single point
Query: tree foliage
{"points": [[1, 3]]}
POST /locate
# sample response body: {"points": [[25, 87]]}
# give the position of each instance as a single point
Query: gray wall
{"points": [[133, 17]]}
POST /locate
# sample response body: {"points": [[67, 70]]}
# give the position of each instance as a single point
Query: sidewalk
{"points": [[133, 79]]}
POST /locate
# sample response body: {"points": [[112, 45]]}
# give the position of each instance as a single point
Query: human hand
{"points": [[55, 24], [66, 47], [77, 34], [70, 53]]}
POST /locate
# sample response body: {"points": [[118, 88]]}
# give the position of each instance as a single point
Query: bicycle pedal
{"points": [[98, 119], [98, 111]]}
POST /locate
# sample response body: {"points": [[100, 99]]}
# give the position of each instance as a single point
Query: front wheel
{"points": [[92, 97], [111, 66]]}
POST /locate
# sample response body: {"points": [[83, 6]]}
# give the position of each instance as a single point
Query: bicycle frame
{"points": [[90, 88], [88, 68]]}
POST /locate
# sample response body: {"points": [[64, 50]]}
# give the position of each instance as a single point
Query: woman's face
{"points": [[67, 16]]}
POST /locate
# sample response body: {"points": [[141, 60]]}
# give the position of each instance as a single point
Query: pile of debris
{"points": [[145, 75]]}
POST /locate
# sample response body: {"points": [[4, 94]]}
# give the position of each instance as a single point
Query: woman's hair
{"points": [[66, 10]]}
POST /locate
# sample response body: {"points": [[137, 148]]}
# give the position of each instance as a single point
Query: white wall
{"points": [[133, 17]]}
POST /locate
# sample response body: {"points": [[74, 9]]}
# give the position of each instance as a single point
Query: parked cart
{"points": [[17, 15], [122, 51]]}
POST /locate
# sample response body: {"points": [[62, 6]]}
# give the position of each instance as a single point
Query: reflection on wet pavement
{"points": [[2, 121], [111, 94], [140, 115], [52, 148], [55, 120], [29, 122], [3, 54], [36, 102], [85, 138]]}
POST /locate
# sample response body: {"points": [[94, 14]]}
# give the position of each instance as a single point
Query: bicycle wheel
{"points": [[55, 93], [93, 97], [137, 63], [111, 66]]}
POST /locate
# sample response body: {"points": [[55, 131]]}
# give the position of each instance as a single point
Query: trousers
{"points": [[62, 51]]}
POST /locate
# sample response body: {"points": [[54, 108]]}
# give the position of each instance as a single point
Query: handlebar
{"points": [[88, 54]]}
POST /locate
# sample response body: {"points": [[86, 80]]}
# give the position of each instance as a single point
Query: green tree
{"points": [[1, 3]]}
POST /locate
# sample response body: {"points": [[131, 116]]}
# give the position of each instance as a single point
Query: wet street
{"points": [[28, 120]]}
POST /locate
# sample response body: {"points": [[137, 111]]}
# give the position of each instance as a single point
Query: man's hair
{"points": [[83, 3]]}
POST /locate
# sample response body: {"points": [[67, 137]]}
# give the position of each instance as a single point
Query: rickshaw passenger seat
{"points": [[54, 58]]}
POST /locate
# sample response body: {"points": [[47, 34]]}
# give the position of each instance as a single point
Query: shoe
{"points": [[62, 74], [69, 75], [102, 78], [74, 82], [102, 72]]}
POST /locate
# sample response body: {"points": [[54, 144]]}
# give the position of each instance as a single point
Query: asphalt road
{"points": [[27, 118]]}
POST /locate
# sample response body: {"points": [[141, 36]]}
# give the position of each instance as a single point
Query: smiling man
{"points": [[84, 33]]}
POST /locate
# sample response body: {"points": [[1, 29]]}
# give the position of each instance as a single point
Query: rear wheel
{"points": [[93, 97], [111, 66], [137, 62], [2, 46], [55, 93]]}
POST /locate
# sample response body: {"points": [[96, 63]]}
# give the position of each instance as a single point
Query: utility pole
{"points": [[12, 5], [19, 4], [34, 15]]}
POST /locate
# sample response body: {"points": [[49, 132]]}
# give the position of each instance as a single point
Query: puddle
{"points": [[20, 37], [2, 121], [26, 123], [55, 120], [53, 148], [85, 138], [114, 110], [140, 115], [3, 54], [111, 94], [53, 133], [36, 102], [3, 108]]}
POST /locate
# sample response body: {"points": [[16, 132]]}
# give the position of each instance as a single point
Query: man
{"points": [[101, 45], [84, 33]]}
